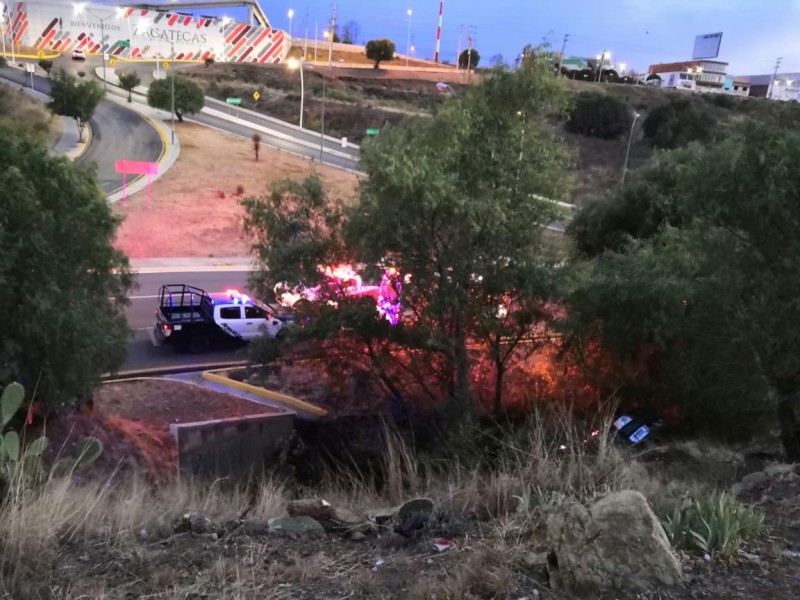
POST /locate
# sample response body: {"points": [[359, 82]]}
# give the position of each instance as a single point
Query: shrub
{"points": [[208, 62], [599, 115], [715, 525], [678, 123], [239, 189]]}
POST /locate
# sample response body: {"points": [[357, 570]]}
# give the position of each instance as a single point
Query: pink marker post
{"points": [[136, 167]]}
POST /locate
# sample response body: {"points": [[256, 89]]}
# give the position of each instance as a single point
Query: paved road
{"points": [[118, 133], [281, 135], [141, 315]]}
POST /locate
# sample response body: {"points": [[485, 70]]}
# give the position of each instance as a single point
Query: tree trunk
{"points": [[789, 420], [461, 403], [130, 98], [179, 114], [80, 130], [500, 372], [377, 62]]}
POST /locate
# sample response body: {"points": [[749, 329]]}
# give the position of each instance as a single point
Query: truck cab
{"points": [[195, 321]]}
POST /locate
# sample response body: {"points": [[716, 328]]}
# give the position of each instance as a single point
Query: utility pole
{"points": [[316, 39], [469, 58], [458, 52], [305, 37], [439, 32], [600, 66], [330, 37], [172, 91], [563, 49], [774, 75]]}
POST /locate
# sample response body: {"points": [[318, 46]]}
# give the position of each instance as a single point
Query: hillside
{"points": [[357, 99]]}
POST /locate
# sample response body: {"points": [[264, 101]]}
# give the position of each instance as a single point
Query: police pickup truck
{"points": [[195, 321]]}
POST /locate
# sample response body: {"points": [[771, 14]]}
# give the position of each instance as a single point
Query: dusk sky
{"points": [[637, 32]]}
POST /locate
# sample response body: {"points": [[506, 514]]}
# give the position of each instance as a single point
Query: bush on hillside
{"points": [[599, 115], [678, 123]]}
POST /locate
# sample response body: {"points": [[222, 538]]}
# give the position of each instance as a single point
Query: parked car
{"points": [[78, 54]]}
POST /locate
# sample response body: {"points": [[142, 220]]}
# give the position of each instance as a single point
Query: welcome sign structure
{"points": [[142, 34]]}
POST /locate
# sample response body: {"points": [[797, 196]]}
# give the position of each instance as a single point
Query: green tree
{"points": [[73, 98], [46, 66], [189, 97], [469, 59], [64, 286], [129, 82], [3, 62], [380, 50], [463, 215], [679, 122], [715, 284], [595, 114]]}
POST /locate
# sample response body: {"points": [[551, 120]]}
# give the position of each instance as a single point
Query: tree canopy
{"points": [[73, 98], [129, 81], [189, 97], [469, 59], [380, 50], [63, 286], [699, 256], [461, 215]]}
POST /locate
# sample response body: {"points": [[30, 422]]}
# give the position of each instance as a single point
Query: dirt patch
{"points": [[195, 205], [22, 113], [132, 420]]}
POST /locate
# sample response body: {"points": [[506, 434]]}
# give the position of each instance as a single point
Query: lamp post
{"points": [[628, 152], [79, 7], [409, 12], [293, 64], [291, 16], [3, 23], [172, 89], [322, 128], [602, 59]]}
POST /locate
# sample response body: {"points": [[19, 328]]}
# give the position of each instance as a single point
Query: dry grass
{"points": [[533, 473], [195, 205], [22, 113]]}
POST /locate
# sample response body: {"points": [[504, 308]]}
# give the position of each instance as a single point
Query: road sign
{"points": [[373, 131], [113, 62], [124, 43], [236, 101], [40, 53], [256, 95], [165, 64]]}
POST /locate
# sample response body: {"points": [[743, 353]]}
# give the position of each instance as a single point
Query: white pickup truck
{"points": [[195, 321]]}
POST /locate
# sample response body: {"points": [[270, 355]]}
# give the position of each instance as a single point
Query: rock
{"points": [[534, 560], [256, 528], [357, 536], [791, 554], [750, 482], [321, 510], [418, 505], [299, 525], [779, 470], [381, 516], [195, 524], [617, 544]]}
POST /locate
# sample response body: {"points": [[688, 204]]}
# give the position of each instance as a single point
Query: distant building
{"points": [[694, 75], [786, 87]]}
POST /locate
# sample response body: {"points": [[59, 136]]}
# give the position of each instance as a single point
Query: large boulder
{"points": [[616, 544]]}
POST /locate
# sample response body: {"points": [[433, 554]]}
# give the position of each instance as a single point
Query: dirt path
{"points": [[195, 206]]}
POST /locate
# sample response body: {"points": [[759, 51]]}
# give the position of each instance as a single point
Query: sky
{"points": [[636, 32]]}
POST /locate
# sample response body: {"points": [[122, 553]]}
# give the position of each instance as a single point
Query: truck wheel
{"points": [[199, 344]]}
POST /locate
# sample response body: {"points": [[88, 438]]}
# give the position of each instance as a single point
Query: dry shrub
{"points": [[239, 190], [556, 456], [485, 575]]}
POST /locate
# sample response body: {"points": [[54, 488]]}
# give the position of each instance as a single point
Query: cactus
{"points": [[28, 464], [89, 450]]}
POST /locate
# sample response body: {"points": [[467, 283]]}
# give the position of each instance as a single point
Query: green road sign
{"points": [[124, 43], [373, 131], [234, 101]]}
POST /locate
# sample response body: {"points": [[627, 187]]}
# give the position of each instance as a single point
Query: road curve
{"points": [[117, 133]]}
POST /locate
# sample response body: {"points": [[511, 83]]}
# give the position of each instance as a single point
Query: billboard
{"points": [[133, 33], [707, 45]]}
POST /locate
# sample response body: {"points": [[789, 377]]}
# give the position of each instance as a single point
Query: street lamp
{"points": [[628, 152], [293, 64], [409, 12], [291, 15], [172, 89], [3, 24], [602, 58], [78, 8]]}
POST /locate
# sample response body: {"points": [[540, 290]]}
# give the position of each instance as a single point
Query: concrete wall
{"points": [[230, 447]]}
